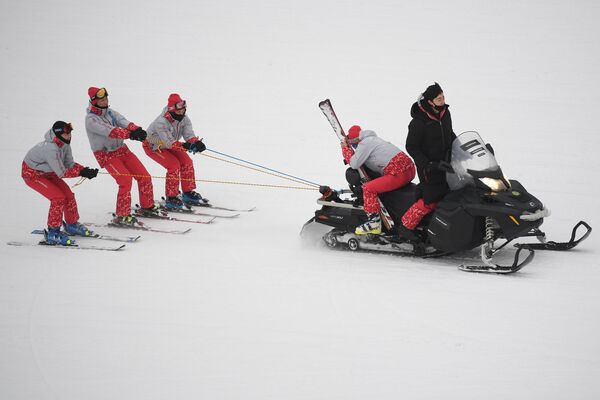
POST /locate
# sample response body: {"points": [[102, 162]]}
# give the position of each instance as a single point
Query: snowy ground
{"points": [[242, 309]]}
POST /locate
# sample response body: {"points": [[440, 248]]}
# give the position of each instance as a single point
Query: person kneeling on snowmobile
{"points": [[364, 147]]}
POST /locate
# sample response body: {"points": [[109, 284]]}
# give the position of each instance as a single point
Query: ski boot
{"points": [[193, 198], [124, 220], [372, 226], [153, 211], [77, 229], [54, 236], [173, 204]]}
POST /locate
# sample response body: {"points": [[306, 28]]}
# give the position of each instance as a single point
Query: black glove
{"points": [[445, 166], [139, 134], [89, 173], [196, 147], [432, 166]]}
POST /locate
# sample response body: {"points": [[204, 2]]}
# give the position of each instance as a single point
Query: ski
{"points": [[140, 227], [166, 217], [126, 239], [72, 246], [189, 210], [225, 208], [327, 109], [202, 214]]}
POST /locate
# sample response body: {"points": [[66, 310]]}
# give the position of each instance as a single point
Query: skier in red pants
{"points": [[164, 147], [107, 129], [43, 168], [363, 147]]}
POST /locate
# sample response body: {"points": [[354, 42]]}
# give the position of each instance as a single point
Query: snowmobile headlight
{"points": [[496, 185]]}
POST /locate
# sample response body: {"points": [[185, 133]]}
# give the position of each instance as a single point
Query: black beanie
{"points": [[432, 91]]}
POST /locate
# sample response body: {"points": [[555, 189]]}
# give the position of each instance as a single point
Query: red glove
{"points": [[347, 153]]}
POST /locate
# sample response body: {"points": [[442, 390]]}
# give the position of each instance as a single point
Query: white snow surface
{"points": [[244, 309]]}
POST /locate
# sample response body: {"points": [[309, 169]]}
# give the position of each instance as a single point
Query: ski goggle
{"points": [[353, 141], [181, 105], [68, 128], [100, 94]]}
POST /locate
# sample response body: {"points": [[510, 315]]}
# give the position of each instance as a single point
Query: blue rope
{"points": [[263, 167]]}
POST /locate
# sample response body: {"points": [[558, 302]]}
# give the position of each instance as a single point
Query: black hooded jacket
{"points": [[430, 137]]}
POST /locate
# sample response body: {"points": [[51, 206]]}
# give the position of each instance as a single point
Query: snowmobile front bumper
{"points": [[539, 214]]}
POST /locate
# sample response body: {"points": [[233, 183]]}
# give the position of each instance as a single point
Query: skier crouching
{"points": [[164, 147], [43, 168], [364, 147]]}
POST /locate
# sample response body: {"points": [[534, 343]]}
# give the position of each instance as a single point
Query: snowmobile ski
{"points": [[562, 246], [76, 246], [490, 267], [126, 239]]}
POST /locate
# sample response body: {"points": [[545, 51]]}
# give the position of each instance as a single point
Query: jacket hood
{"points": [[420, 109], [49, 136], [365, 133]]}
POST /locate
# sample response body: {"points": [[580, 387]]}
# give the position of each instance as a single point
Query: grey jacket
{"points": [[372, 151], [164, 131], [99, 126], [49, 156]]}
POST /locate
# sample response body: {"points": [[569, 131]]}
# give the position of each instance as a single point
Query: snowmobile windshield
{"points": [[475, 165]]}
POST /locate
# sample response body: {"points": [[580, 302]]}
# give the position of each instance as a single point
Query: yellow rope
{"points": [[206, 181], [160, 144]]}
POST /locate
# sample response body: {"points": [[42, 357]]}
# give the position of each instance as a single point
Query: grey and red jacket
{"points": [[107, 129], [50, 157], [165, 132], [376, 154]]}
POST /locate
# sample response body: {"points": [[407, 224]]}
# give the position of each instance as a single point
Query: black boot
{"points": [[407, 234]]}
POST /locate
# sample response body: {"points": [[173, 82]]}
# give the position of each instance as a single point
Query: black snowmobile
{"points": [[482, 207]]}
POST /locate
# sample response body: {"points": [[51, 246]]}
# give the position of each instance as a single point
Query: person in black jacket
{"points": [[429, 142]]}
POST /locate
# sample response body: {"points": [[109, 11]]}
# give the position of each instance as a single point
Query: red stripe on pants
{"points": [[180, 168], [413, 216], [62, 199], [123, 169]]}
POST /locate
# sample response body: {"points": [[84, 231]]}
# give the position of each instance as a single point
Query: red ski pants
{"points": [[392, 179], [123, 169], [413, 216], [62, 199], [180, 168]]}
